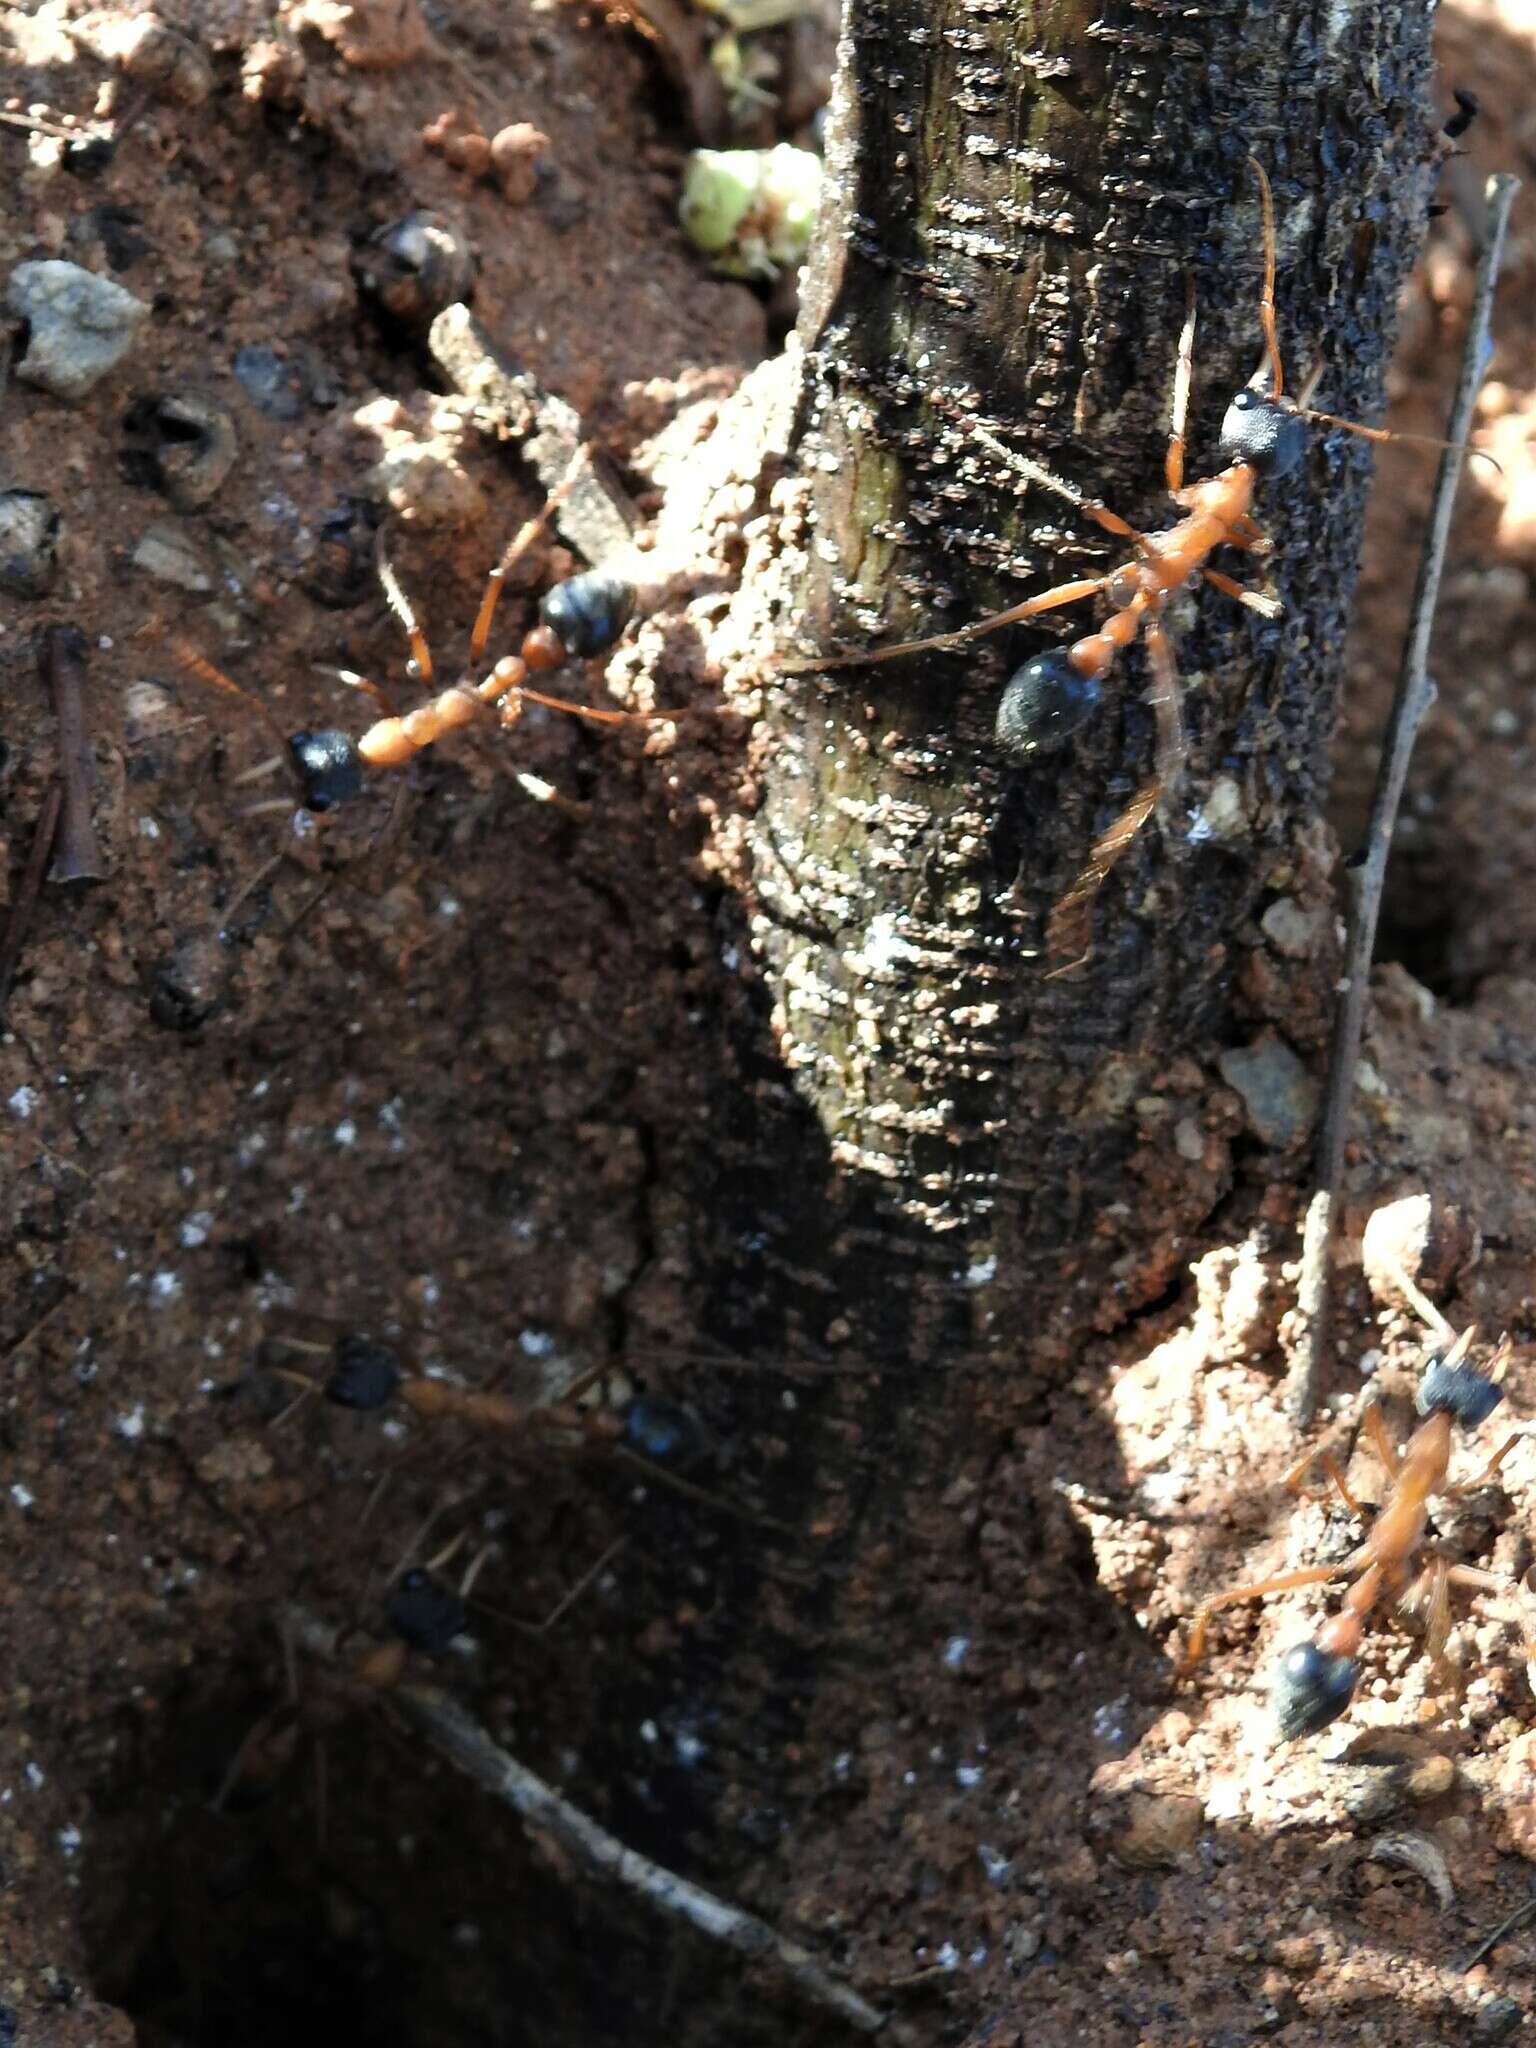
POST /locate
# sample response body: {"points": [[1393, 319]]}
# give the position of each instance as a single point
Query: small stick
{"points": [[461, 1739], [20, 919], [61, 659], [597, 516], [1367, 869], [1491, 1941]]}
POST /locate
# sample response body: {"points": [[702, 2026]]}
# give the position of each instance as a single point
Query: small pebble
{"points": [[516, 154], [1496, 2019], [169, 557], [1431, 1778], [81, 326], [1278, 1093], [160, 58], [371, 35], [274, 384], [29, 536], [1420, 1238], [1160, 1827]]}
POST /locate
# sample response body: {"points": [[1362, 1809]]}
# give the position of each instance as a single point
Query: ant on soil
{"points": [[1316, 1679], [367, 1376], [1052, 696], [583, 616]]}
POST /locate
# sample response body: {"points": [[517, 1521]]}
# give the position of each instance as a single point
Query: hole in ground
{"points": [[267, 1873]]}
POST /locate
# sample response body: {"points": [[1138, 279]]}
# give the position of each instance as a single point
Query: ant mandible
{"points": [[1049, 699], [1316, 1679]]}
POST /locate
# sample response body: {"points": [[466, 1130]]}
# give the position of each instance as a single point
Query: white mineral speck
{"points": [[131, 1425], [22, 1495], [968, 1776], [956, 1650], [35, 1777], [345, 1132], [22, 1102], [165, 1286], [535, 1343], [69, 1840], [948, 1957]]}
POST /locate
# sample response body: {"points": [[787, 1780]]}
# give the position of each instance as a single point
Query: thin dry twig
{"points": [[461, 1739], [1508, 1925], [61, 658], [1367, 870]]}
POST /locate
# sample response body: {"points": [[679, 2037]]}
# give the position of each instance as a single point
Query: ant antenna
{"points": [[1267, 301], [1328, 419]]}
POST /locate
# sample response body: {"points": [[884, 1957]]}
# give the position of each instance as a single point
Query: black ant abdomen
{"points": [[666, 1433], [1311, 1690], [1459, 1390], [330, 767], [364, 1376], [424, 1614], [1044, 704], [1263, 432], [588, 612]]}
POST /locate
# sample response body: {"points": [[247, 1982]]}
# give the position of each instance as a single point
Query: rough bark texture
{"points": [[1026, 193], [943, 1165]]}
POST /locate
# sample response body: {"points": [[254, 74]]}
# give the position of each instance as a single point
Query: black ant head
{"points": [[330, 768], [1267, 433], [1311, 1690], [1458, 1390], [365, 1375], [1045, 703], [425, 1614], [588, 612], [666, 1433]]}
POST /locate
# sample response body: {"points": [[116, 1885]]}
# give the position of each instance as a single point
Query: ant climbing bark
{"points": [[1052, 696]]}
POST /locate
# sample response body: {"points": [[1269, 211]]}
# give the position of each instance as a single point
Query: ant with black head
{"points": [[1316, 1679], [582, 616], [1053, 695]]}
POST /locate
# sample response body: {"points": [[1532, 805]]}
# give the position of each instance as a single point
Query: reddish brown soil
{"points": [[443, 1095]]}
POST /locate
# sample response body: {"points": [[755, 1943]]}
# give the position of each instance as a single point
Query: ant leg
{"points": [[1183, 377], [1282, 1582], [1267, 301], [1048, 600], [1295, 1479], [1166, 699], [400, 605], [1036, 473], [1256, 600], [1381, 1443], [516, 548], [1490, 1471], [1069, 931]]}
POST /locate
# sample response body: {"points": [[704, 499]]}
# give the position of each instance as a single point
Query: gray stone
{"points": [[1278, 1093], [81, 325], [169, 557]]}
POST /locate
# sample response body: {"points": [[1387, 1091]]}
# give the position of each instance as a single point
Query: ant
{"points": [[366, 1376], [583, 616], [1048, 701], [1316, 1679]]}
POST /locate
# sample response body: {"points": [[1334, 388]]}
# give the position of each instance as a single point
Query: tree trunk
{"points": [[946, 1165]]}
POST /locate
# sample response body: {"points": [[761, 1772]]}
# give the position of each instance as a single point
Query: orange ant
{"points": [[578, 618], [1049, 699], [1316, 1679]]}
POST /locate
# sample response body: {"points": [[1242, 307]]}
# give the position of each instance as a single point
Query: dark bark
{"points": [[943, 1167]]}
